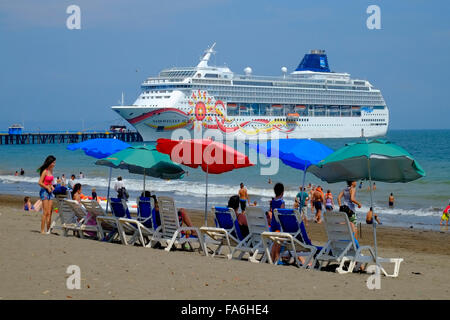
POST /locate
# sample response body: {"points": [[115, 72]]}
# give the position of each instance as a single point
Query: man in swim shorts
{"points": [[318, 199], [445, 215], [391, 200], [243, 197]]}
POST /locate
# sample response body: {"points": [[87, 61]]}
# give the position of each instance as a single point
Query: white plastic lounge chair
{"points": [[142, 228], [342, 247], [225, 233], [252, 243], [170, 233], [93, 207], [57, 222], [74, 217], [111, 223], [290, 237]]}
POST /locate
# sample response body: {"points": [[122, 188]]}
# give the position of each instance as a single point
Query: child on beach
{"points": [[94, 194], [27, 206], [445, 215]]}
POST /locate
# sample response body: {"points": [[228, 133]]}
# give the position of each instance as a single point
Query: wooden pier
{"points": [[66, 137]]}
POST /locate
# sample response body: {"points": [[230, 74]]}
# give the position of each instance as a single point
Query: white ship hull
{"points": [[315, 127]]}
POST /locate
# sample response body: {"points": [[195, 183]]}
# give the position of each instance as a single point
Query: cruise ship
{"points": [[310, 102]]}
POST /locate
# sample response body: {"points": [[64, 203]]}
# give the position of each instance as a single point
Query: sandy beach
{"points": [[33, 266]]}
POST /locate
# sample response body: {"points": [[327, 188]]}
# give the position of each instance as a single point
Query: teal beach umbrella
{"points": [[143, 160], [377, 160]]}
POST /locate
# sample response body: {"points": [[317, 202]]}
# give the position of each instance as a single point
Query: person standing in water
{"points": [[243, 197], [45, 182], [391, 200]]}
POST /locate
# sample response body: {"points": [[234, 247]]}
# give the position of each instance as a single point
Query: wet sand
{"points": [[33, 266]]}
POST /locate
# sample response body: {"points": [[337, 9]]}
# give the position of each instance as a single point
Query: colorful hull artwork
{"points": [[208, 113]]}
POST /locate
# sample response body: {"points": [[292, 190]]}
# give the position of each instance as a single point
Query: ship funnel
{"points": [[316, 61]]}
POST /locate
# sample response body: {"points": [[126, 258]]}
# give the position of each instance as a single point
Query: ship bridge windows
{"points": [[164, 87], [211, 75], [176, 73], [252, 83]]}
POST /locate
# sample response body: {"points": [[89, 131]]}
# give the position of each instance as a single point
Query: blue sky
{"points": [[53, 78]]}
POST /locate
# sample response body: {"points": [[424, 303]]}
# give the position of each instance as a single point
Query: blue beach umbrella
{"points": [[296, 153], [100, 148]]}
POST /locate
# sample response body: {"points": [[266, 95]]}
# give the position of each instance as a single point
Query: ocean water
{"points": [[418, 203]]}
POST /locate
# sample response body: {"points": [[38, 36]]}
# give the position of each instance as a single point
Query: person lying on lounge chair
{"points": [[234, 203]]}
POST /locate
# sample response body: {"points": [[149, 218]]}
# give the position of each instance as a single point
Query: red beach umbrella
{"points": [[212, 156]]}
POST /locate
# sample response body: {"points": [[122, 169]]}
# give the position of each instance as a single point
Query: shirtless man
{"points": [[318, 200], [391, 200], [310, 196], [243, 197]]}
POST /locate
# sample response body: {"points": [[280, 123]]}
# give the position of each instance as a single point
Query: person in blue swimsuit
{"points": [[276, 203]]}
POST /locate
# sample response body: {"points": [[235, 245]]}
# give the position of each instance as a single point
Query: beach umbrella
{"points": [[378, 160], [143, 160], [296, 153], [100, 148], [212, 156]]}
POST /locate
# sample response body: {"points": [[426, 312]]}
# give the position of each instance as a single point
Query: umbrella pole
{"points": [[301, 191], [206, 198], [109, 185], [374, 222], [143, 193]]}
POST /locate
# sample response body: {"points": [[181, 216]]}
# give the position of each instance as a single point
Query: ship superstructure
{"points": [[310, 102]]}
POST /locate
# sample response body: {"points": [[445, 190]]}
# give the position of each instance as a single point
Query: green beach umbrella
{"points": [[388, 163], [144, 160], [377, 160]]}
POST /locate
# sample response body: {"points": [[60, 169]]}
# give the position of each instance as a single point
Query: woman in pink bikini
{"points": [[45, 182]]}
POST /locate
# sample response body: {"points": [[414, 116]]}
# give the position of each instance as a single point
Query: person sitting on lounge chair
{"points": [[276, 203], [77, 195], [234, 203], [183, 216]]}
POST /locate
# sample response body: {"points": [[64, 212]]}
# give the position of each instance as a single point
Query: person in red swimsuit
{"points": [[45, 182]]}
